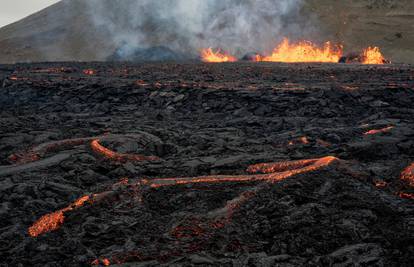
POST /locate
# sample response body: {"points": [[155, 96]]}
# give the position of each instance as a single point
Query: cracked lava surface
{"points": [[215, 165]]}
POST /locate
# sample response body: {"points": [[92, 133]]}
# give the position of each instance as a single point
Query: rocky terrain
{"points": [[106, 137]]}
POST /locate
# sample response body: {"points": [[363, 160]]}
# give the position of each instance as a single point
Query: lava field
{"points": [[236, 164]]}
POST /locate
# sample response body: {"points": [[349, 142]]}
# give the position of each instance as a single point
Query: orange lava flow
{"points": [[271, 172], [208, 55], [377, 131], [372, 55], [112, 155], [303, 51], [407, 175], [52, 221]]}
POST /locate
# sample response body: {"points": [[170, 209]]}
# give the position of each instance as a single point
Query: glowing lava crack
{"points": [[36, 158]]}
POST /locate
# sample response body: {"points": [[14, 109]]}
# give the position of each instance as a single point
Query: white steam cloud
{"points": [[238, 26]]}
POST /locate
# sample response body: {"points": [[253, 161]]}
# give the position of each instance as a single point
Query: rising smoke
{"points": [[186, 26]]}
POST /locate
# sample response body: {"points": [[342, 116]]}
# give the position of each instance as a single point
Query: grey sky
{"points": [[14, 10]]}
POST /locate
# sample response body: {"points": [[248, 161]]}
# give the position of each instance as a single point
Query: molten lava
{"points": [[408, 175], [378, 131], [372, 55], [208, 55], [271, 172], [304, 51], [52, 221], [112, 155]]}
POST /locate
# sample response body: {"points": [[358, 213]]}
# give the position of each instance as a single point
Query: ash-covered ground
{"points": [[206, 120]]}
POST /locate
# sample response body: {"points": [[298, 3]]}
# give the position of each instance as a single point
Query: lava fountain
{"points": [[372, 55], [209, 55], [304, 51]]}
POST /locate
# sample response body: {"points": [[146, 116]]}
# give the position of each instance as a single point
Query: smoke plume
{"points": [[186, 26]]}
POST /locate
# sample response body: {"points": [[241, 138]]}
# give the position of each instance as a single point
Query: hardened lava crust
{"points": [[236, 164]]}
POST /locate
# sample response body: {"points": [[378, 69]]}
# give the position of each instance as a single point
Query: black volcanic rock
{"points": [[207, 119], [152, 54]]}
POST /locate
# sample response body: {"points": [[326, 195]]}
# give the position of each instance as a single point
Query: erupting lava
{"points": [[304, 51], [208, 55], [372, 55]]}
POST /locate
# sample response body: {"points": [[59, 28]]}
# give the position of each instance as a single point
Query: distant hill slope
{"points": [[61, 32], [65, 32], [388, 24]]}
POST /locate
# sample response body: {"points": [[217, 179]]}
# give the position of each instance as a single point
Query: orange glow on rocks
{"points": [[52, 221], [302, 140], [378, 131], [112, 155], [208, 55], [407, 175], [104, 262]]}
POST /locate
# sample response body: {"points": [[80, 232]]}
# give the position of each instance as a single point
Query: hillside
{"points": [[65, 31]]}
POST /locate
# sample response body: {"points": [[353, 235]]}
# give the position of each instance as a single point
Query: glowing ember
{"points": [[302, 140], [304, 51], [107, 153], [406, 195], [408, 175], [380, 184], [89, 72], [208, 55], [104, 262], [377, 131], [52, 221], [24, 158], [372, 55]]}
